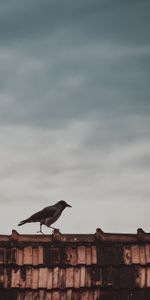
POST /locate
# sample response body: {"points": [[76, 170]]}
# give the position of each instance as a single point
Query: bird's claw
{"points": [[40, 232], [54, 229]]}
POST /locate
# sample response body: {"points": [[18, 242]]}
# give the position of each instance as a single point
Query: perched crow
{"points": [[48, 215]]}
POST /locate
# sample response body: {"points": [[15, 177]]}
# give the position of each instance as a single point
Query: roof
{"points": [[98, 266]]}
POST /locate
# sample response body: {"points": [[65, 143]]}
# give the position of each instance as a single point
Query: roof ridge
{"points": [[99, 235]]}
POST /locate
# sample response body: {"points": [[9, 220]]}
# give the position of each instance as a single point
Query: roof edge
{"points": [[99, 235]]}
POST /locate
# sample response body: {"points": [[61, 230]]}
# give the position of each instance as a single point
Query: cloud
{"points": [[40, 166], [73, 84], [123, 22]]}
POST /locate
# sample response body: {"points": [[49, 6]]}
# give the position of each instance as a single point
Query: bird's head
{"points": [[63, 204]]}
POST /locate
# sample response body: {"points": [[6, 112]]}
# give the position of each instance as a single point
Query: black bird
{"points": [[48, 215]]}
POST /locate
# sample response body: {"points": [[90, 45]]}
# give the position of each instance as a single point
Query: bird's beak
{"points": [[68, 205]]}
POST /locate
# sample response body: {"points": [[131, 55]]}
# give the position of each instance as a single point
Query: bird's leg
{"points": [[53, 228], [40, 231]]}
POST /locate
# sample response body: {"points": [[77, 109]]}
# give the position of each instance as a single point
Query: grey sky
{"points": [[75, 113]]}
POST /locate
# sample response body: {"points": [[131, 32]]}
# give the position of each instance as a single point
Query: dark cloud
{"points": [[124, 21], [64, 60], [73, 85]]}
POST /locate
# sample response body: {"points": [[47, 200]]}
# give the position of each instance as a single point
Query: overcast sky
{"points": [[75, 113]]}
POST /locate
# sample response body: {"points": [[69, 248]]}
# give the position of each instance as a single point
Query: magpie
{"points": [[47, 216]]}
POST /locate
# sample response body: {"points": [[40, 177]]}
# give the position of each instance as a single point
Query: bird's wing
{"points": [[43, 214]]}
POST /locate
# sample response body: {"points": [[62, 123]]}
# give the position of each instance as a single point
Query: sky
{"points": [[75, 113]]}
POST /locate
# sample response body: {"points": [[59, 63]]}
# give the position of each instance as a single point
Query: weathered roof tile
{"points": [[97, 266]]}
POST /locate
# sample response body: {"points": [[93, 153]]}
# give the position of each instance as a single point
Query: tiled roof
{"points": [[100, 266]]}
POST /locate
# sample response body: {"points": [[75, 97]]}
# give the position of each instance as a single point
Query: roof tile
{"points": [[147, 253], [76, 266], [81, 255]]}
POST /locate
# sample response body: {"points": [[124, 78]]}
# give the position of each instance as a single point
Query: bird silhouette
{"points": [[47, 216]]}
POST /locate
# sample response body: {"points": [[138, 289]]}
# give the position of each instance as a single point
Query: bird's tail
{"points": [[23, 222]]}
